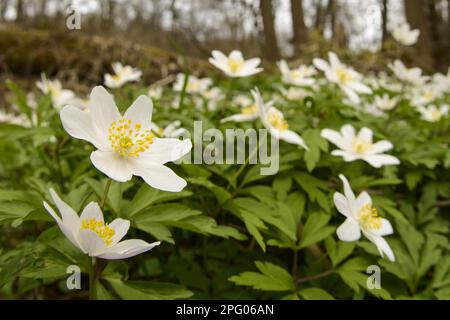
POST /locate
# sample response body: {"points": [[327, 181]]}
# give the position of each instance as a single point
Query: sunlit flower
{"points": [[92, 235], [172, 130], [413, 76], [385, 102], [194, 85], [433, 113], [362, 217], [360, 146], [350, 81], [60, 97], [212, 96], [234, 65], [155, 92], [300, 76], [122, 74], [126, 146], [403, 34], [274, 121]]}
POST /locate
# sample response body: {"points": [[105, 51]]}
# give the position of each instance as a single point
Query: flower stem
{"points": [[92, 279], [105, 193]]}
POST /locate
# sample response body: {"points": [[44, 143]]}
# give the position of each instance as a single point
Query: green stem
{"points": [[105, 194], [251, 155], [92, 280], [315, 277], [295, 267]]}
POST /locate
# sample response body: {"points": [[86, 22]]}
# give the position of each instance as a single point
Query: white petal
{"points": [[127, 249], [158, 176], [379, 160], [334, 137], [79, 125], [292, 137], [365, 134], [353, 96], [363, 199], [66, 230], [342, 205], [69, 216], [381, 146], [92, 211], [239, 118], [165, 150], [346, 155], [385, 230], [382, 246], [103, 109], [91, 242], [348, 132], [348, 190], [112, 165], [120, 227], [140, 112], [349, 231], [361, 88], [321, 64]]}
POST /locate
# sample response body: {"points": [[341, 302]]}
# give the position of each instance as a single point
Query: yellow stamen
{"points": [[250, 110], [369, 218], [361, 146], [129, 140], [344, 76], [100, 228], [235, 64], [276, 120]]}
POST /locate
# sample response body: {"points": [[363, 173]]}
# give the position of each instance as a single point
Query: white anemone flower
{"points": [[122, 74], [363, 218], [403, 34], [274, 121], [172, 130], [213, 96], [249, 109], [426, 95], [194, 85], [433, 113], [60, 97], [385, 102], [234, 64], [92, 235], [442, 81], [350, 81], [360, 146], [413, 75], [293, 94], [300, 76], [126, 146], [155, 92]]}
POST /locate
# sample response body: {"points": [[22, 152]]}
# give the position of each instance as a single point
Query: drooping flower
{"points": [[122, 74], [433, 113], [360, 146], [194, 85], [274, 121], [350, 81], [413, 76], [92, 235], [60, 97], [234, 65], [125, 143], [300, 76], [249, 109], [403, 34], [363, 218]]}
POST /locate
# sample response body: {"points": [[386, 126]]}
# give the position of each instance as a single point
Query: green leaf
{"points": [[316, 229], [271, 278], [315, 294]]}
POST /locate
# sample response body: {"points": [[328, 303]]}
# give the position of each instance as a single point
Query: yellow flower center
{"points": [[344, 76], [435, 115], [128, 139], [276, 120], [235, 64], [296, 74], [100, 228], [54, 90], [428, 95], [250, 110], [369, 218], [361, 146]]}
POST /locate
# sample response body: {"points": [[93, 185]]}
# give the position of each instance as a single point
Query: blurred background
{"points": [[154, 34]]}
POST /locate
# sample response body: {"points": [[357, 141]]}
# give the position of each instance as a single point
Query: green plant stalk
{"points": [[105, 194], [92, 279]]}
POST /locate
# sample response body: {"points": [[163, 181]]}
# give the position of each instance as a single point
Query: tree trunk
{"points": [[19, 11], [331, 16], [384, 21], [270, 37], [438, 44], [298, 25], [3, 8], [416, 15], [318, 24]]}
